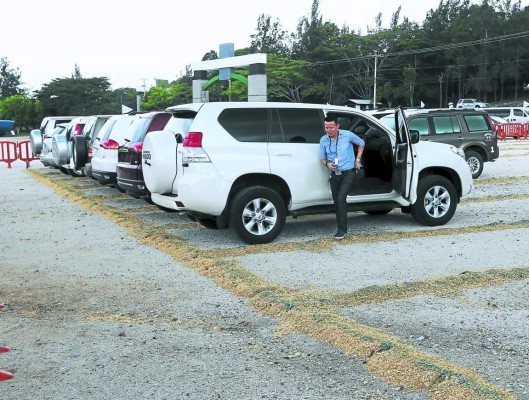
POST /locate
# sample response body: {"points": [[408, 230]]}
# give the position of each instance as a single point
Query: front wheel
{"points": [[257, 214], [475, 162], [436, 201]]}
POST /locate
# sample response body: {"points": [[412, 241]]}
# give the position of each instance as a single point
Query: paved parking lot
{"points": [[109, 296]]}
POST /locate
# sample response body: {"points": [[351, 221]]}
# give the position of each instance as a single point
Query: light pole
{"points": [[375, 84]]}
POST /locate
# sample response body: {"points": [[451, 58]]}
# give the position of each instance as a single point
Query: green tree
{"points": [[76, 96], [20, 109], [288, 80], [10, 84], [270, 37], [159, 98]]}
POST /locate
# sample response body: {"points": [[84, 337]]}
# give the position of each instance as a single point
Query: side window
{"points": [[446, 124], [245, 124], [517, 112], [419, 124], [476, 123], [297, 126]]}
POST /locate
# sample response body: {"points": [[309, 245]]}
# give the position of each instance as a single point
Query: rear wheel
{"points": [[436, 201], [79, 151], [475, 162], [257, 214]]}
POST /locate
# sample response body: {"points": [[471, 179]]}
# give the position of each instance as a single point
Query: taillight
{"points": [[109, 144], [193, 139], [137, 147], [193, 151], [135, 153]]}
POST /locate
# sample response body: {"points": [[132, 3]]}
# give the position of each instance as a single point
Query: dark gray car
{"points": [[470, 130]]}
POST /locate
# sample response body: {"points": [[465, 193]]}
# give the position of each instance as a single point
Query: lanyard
{"points": [[330, 142]]}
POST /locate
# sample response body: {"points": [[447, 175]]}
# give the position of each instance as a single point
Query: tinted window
{"points": [[517, 112], [447, 124], [158, 122], [418, 124], [476, 123], [296, 126], [245, 124]]}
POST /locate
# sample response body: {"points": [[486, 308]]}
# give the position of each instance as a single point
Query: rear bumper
{"points": [[135, 188], [104, 176]]}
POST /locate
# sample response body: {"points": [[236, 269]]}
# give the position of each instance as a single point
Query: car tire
{"points": [[475, 162], [76, 173], [436, 201], [257, 214], [79, 151], [378, 212]]}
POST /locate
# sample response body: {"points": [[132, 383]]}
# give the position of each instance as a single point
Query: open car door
{"points": [[403, 157]]}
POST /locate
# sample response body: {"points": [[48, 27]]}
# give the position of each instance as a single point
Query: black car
{"points": [[470, 130], [129, 169]]}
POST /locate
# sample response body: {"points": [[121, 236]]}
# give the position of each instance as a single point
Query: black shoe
{"points": [[340, 235]]}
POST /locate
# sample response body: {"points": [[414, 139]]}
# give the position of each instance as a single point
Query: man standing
{"points": [[337, 154]]}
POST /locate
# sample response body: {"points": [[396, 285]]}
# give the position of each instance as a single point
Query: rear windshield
{"points": [[140, 127], [104, 133]]}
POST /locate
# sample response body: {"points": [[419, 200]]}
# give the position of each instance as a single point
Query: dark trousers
{"points": [[340, 186]]}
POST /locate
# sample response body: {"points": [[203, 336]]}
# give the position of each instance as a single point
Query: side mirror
{"points": [[179, 138], [414, 136]]}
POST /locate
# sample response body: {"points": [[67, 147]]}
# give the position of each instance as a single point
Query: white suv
{"points": [[471, 103], [250, 165]]}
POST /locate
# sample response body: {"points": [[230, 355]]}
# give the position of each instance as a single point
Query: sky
{"points": [[134, 42]]}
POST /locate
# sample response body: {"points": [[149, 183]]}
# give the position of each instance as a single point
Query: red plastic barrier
{"points": [[8, 152], [4, 375], [24, 152], [512, 129]]}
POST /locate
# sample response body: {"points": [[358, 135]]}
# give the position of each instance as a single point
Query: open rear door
{"points": [[403, 157]]}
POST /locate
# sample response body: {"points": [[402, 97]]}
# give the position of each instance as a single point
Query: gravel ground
{"points": [[94, 313]]}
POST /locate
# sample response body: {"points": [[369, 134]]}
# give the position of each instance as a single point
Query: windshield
{"points": [[389, 121]]}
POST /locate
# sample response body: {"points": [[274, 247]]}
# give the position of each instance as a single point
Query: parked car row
{"points": [[248, 166]]}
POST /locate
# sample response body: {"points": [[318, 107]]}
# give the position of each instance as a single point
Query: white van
{"points": [[510, 114]]}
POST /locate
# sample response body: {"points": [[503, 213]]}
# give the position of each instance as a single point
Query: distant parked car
{"points": [[105, 147], [62, 146], [471, 103], [511, 114], [45, 149], [47, 126], [82, 144], [129, 170], [470, 130]]}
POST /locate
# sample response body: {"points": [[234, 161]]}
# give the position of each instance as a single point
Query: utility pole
{"points": [[375, 83]]}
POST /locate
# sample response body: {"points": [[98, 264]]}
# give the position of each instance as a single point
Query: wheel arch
{"points": [[267, 180], [449, 174], [480, 149]]}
